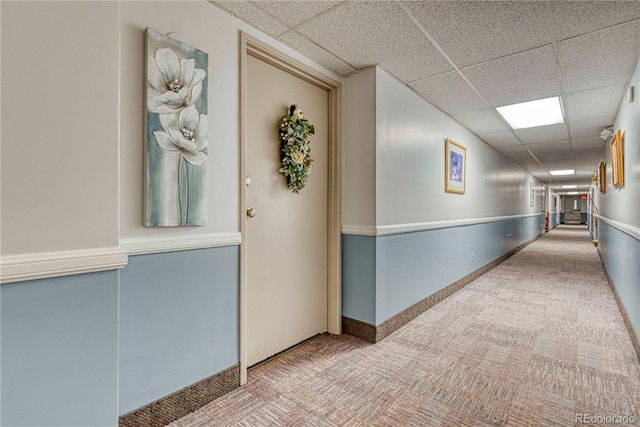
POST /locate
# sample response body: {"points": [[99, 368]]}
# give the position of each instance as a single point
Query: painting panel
{"points": [[176, 136]]}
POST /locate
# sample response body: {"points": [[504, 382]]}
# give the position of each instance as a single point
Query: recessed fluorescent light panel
{"points": [[572, 193], [562, 172], [570, 186], [541, 112]]}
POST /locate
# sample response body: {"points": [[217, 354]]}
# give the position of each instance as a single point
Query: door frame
{"points": [[251, 46]]}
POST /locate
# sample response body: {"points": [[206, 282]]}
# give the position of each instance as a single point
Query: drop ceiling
{"points": [[469, 57]]}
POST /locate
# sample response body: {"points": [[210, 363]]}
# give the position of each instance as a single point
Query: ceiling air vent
{"points": [[632, 93]]}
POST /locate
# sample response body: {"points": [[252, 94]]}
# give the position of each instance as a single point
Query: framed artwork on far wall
{"points": [[620, 142], [602, 177], [617, 159], [455, 167], [532, 194], [613, 151]]}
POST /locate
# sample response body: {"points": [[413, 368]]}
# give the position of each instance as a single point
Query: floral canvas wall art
{"points": [[176, 137]]}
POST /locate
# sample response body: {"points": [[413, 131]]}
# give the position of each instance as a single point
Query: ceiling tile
{"points": [[450, 93], [591, 104], [601, 58], [481, 121], [516, 78], [558, 165], [293, 13], [253, 15], [500, 139], [517, 153], [551, 151], [587, 169], [588, 142], [315, 52], [582, 165], [574, 18], [474, 32], [591, 127], [538, 171], [586, 174], [571, 179], [588, 154], [543, 133], [376, 33]]}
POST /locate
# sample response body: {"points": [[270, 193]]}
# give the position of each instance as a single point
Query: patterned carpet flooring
{"points": [[537, 341]]}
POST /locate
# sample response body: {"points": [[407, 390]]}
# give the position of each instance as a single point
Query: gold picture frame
{"points": [[617, 159], [455, 167], [620, 143], [602, 177], [613, 151]]}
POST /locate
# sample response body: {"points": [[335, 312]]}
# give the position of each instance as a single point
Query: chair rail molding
{"points": [[172, 243], [20, 268], [625, 228], [386, 230]]}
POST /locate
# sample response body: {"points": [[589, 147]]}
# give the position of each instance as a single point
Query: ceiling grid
{"points": [[469, 57]]}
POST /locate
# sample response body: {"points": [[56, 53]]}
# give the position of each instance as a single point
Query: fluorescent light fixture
{"points": [[562, 172], [572, 193], [541, 112], [570, 186]]}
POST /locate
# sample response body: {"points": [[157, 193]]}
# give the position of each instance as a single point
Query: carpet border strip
{"points": [[176, 405], [625, 316], [374, 334]]}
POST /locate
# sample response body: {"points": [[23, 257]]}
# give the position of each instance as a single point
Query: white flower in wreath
{"points": [[172, 83], [297, 157], [298, 113], [185, 132]]}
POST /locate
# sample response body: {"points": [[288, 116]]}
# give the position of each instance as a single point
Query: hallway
{"points": [[539, 340]]}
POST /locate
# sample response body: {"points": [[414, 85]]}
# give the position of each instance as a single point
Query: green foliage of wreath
{"points": [[295, 153]]}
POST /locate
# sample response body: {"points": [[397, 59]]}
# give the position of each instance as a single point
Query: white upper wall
{"points": [[623, 204], [359, 152], [73, 120], [410, 165], [211, 30], [59, 126]]}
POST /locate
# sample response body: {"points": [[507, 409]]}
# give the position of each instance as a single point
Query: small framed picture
{"points": [[455, 167], [602, 177], [532, 194]]}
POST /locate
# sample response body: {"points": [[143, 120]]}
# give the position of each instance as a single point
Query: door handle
{"points": [[251, 212]]}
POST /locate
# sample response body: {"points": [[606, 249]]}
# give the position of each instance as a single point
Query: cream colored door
{"points": [[286, 240]]}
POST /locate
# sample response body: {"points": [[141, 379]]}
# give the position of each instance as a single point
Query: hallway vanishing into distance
{"points": [[539, 340]]}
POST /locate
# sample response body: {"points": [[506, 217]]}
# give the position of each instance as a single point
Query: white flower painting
{"points": [[176, 132], [173, 83]]}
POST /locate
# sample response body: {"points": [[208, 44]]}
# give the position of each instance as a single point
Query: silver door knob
{"points": [[251, 212]]}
